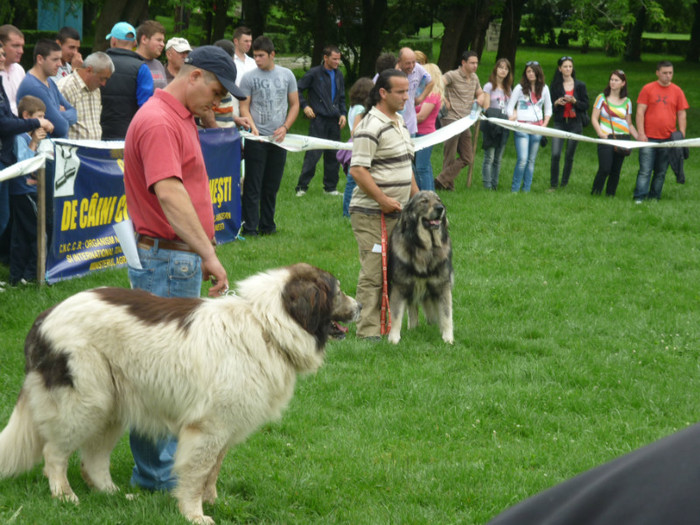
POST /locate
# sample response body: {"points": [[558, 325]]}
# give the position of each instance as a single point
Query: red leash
{"points": [[385, 320]]}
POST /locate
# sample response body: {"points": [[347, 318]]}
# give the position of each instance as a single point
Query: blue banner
{"points": [[88, 199]]}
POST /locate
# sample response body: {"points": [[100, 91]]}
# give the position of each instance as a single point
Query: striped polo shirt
{"points": [[612, 116], [384, 147]]}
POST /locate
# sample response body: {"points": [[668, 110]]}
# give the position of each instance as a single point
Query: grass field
{"points": [[577, 340]]}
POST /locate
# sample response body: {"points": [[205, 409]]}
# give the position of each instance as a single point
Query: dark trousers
{"points": [[609, 167], [324, 128], [571, 125], [264, 167], [23, 251]]}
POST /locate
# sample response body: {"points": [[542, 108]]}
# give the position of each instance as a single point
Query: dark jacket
{"points": [[580, 94], [119, 104], [677, 156], [10, 125], [318, 84]]}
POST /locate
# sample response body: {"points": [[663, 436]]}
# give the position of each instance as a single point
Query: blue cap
{"points": [[219, 62], [121, 31]]}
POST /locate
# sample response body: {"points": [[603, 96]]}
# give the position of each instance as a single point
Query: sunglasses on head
{"points": [[532, 63], [564, 59]]}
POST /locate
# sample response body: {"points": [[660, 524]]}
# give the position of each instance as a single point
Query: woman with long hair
{"points": [[426, 115], [570, 104], [529, 104], [499, 88], [612, 119], [358, 95]]}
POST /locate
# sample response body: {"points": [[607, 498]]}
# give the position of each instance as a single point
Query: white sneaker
{"points": [[301, 193], [334, 192], [638, 201]]}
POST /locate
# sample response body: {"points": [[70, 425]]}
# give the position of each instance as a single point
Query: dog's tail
{"points": [[20, 443]]}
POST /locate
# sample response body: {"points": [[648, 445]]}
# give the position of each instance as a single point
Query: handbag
{"points": [[543, 140], [626, 152], [344, 156]]}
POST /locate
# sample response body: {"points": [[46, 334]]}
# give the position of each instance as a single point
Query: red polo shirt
{"points": [[162, 142]]}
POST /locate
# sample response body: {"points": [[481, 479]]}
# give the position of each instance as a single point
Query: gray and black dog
{"points": [[420, 266]]}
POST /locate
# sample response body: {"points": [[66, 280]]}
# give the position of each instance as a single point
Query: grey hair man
{"points": [[81, 89]]}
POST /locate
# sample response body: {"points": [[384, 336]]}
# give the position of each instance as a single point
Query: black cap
{"points": [[216, 61]]}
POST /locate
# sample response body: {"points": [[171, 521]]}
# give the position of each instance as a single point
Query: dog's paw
{"points": [[394, 338], [449, 339], [201, 520], [68, 497]]}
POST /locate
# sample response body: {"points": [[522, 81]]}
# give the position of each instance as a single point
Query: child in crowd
{"points": [[499, 88], [358, 95], [426, 116], [23, 198]]}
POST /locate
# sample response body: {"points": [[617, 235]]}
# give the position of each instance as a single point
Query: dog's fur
{"points": [[420, 266], [209, 371]]}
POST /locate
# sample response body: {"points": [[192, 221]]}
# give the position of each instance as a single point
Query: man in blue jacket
{"points": [[325, 107]]}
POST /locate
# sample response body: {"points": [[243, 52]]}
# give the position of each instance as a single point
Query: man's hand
{"points": [[389, 205], [280, 133], [213, 270], [342, 121], [77, 61], [243, 122], [46, 125], [309, 112]]}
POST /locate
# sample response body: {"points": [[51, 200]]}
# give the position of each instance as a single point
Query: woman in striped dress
{"points": [[612, 119]]}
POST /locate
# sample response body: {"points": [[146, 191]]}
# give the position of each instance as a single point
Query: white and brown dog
{"points": [[209, 371]]}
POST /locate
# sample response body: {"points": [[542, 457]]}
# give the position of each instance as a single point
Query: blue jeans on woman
{"points": [[424, 169], [165, 273], [347, 194], [491, 166], [526, 147]]}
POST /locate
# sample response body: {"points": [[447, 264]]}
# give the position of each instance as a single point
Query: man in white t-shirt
{"points": [[242, 40], [13, 42]]}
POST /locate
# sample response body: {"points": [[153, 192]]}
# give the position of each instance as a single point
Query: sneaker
{"points": [[301, 193], [638, 201], [334, 192]]}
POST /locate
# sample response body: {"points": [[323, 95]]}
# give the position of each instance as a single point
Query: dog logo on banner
{"points": [[67, 165]]}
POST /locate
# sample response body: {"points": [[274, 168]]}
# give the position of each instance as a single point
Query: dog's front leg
{"points": [[210, 495], [195, 460], [446, 317], [398, 305]]}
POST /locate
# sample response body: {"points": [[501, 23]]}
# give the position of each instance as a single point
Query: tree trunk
{"points": [[373, 16], [693, 53], [454, 39], [634, 37], [221, 19], [254, 16], [111, 14], [321, 23], [479, 26], [510, 30]]}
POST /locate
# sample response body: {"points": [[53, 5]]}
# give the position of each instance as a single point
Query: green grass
{"points": [[577, 340]]}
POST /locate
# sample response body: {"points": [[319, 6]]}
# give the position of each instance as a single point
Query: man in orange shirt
{"points": [[659, 105]]}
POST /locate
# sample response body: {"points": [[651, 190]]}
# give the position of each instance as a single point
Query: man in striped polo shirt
{"points": [[382, 156]]}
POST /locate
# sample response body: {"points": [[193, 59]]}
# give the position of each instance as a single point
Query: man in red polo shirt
{"points": [[167, 193]]}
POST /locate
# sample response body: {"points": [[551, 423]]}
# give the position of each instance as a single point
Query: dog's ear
{"points": [[309, 301]]}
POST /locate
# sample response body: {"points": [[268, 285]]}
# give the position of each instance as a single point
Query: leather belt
{"points": [[144, 241]]}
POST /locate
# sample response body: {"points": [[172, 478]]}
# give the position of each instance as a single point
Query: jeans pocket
{"points": [[185, 275], [141, 278]]}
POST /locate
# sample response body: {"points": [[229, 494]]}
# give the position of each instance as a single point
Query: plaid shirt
{"points": [[87, 103]]}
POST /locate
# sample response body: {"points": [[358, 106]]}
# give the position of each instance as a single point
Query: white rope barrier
{"points": [[299, 143]]}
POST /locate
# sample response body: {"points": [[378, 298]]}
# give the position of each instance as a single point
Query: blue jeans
{"points": [[526, 147], [347, 195], [424, 169], [491, 166], [166, 273], [651, 159]]}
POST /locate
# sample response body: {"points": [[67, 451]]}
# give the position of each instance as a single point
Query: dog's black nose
{"points": [[439, 208]]}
